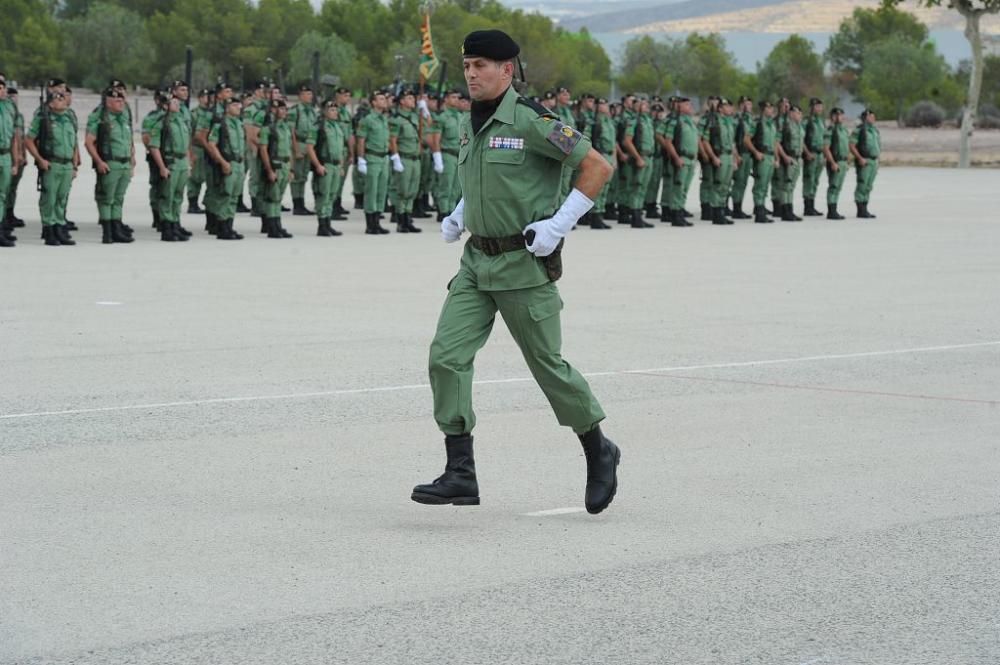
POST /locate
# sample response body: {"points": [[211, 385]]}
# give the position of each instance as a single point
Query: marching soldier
{"points": [[196, 178], [169, 147], [326, 149], [109, 143], [682, 147], [812, 156], [511, 167], [602, 138], [790, 153], [449, 119], [52, 142], [718, 141], [638, 142], [835, 150], [372, 145], [404, 153], [303, 119], [866, 146], [275, 154], [745, 126], [762, 145], [225, 146]]}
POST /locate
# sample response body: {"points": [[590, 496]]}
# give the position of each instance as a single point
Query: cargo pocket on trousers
{"points": [[543, 310]]}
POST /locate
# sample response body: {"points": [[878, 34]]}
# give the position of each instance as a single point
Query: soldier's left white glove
{"points": [[453, 225], [397, 163], [438, 162], [548, 232], [422, 105]]}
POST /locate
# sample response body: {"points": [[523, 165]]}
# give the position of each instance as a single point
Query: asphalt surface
{"points": [[207, 449]]}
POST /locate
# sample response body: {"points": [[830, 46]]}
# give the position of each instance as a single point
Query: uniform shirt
{"points": [[624, 120], [871, 146], [346, 125], [450, 122], [793, 138], [510, 174], [8, 123], [837, 138], [642, 128], [332, 148], [745, 125], [765, 134], [60, 139], [186, 116], [303, 119], [151, 120], [565, 115], [374, 129], [117, 140], [179, 139], [403, 125], [281, 132], [602, 134], [255, 115], [719, 132], [685, 137], [815, 133], [201, 118], [233, 144]]}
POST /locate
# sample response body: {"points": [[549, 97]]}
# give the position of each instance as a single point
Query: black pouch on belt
{"points": [[553, 262]]}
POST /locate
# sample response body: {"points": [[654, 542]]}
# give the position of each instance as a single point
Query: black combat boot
{"points": [[457, 485], [49, 235], [652, 211], [831, 211], [706, 212], [226, 231], [359, 201], [299, 207], [322, 228], [7, 231], [13, 221], [70, 226], [332, 231], [421, 208], [281, 229], [175, 228], [738, 211], [864, 213], [338, 207], [5, 242], [62, 232], [596, 222], [410, 225], [118, 232], [760, 215], [236, 234], [679, 219], [637, 221], [377, 227], [610, 212], [775, 208], [274, 227], [716, 215], [810, 208], [194, 208], [180, 229], [624, 215], [685, 214], [156, 220], [602, 470]]}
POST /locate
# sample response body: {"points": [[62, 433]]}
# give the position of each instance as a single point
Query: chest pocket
{"points": [[501, 156]]}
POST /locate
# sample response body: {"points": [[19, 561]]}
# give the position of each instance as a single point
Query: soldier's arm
{"points": [[314, 158], [629, 145], [780, 152], [674, 155], [592, 174], [42, 163], [393, 146], [90, 143], [748, 144], [253, 136], [857, 155], [359, 145], [265, 160], [212, 148]]}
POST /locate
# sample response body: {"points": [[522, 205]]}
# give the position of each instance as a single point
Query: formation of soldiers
{"points": [[404, 146]]}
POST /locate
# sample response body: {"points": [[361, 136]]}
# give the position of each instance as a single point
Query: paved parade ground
{"points": [[207, 448]]}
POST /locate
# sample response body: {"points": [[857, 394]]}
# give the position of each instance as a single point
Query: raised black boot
{"points": [[603, 457], [457, 485], [831, 211], [299, 207]]}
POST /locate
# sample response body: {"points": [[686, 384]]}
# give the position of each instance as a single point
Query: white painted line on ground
{"points": [[554, 511], [491, 382], [107, 303]]}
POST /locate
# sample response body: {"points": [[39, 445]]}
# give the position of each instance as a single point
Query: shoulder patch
{"points": [[564, 137]]}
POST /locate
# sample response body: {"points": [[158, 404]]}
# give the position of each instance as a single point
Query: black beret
{"points": [[814, 101], [305, 87], [330, 104], [116, 83], [278, 104], [406, 92], [745, 98], [342, 90], [561, 89], [11, 91], [222, 86], [234, 100], [680, 99], [601, 100], [657, 107], [836, 110], [549, 94], [179, 83], [794, 107], [453, 91], [204, 92], [587, 95], [763, 104], [56, 95], [52, 83], [112, 93], [492, 44], [725, 102]]}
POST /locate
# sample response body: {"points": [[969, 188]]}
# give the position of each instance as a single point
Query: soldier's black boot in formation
{"points": [[113, 231], [457, 485], [275, 229], [62, 233], [602, 470], [624, 215], [638, 222], [706, 212], [863, 212], [373, 227], [13, 221], [407, 220], [156, 220], [810, 211], [760, 215], [788, 213], [241, 206], [610, 212], [226, 231], [299, 207], [831, 212], [421, 208], [325, 229], [597, 223], [738, 211], [7, 239], [359, 201], [49, 236], [194, 208], [679, 219], [339, 208], [652, 212]]}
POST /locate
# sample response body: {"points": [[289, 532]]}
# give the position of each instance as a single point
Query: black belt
{"points": [[497, 246], [405, 156], [120, 160], [687, 156], [235, 160], [278, 163], [60, 160], [177, 155], [4, 151], [646, 154], [331, 161], [453, 153], [375, 154], [767, 152]]}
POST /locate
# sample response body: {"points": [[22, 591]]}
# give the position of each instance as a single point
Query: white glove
{"points": [[438, 162], [548, 232], [453, 225], [397, 163], [362, 166], [422, 105]]}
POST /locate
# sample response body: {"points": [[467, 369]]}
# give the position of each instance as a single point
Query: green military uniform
{"points": [[256, 115], [510, 173], [764, 138], [565, 115], [327, 137], [644, 140], [172, 137], [276, 138], [8, 129], [777, 179], [626, 170], [113, 132], [347, 130], [838, 140], [652, 196], [815, 138], [15, 180], [303, 119], [792, 140], [664, 129], [229, 137], [684, 136], [707, 183], [746, 124], [868, 141], [447, 194], [201, 117], [147, 127], [57, 143], [720, 133], [357, 177], [374, 129], [404, 127], [602, 138]]}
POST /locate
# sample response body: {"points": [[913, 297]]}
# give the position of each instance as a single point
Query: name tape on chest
{"points": [[506, 143]]}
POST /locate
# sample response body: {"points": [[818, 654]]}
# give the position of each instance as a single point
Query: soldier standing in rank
{"points": [[225, 146], [430, 139], [777, 182], [836, 149], [404, 153], [146, 128], [564, 111], [812, 156], [652, 193], [109, 143], [707, 183], [255, 116], [638, 142], [601, 132], [449, 120], [866, 146], [626, 166], [357, 177], [169, 147], [303, 119], [792, 139], [326, 150], [343, 97], [275, 154], [214, 188], [762, 145], [513, 152], [745, 126], [19, 158], [682, 147], [372, 145], [719, 144], [196, 178], [52, 142], [10, 149], [663, 129]]}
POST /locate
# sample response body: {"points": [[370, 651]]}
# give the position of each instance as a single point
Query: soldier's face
{"points": [[628, 103], [203, 101], [306, 97], [116, 104], [486, 78], [234, 109], [564, 97], [769, 111], [726, 109], [588, 104], [818, 109], [175, 105], [343, 97], [331, 113], [182, 92], [407, 102], [687, 108], [59, 105], [746, 107], [796, 116], [282, 112], [3, 92], [604, 108], [378, 103]]}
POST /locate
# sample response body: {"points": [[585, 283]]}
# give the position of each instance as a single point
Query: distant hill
{"points": [[622, 20]]}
